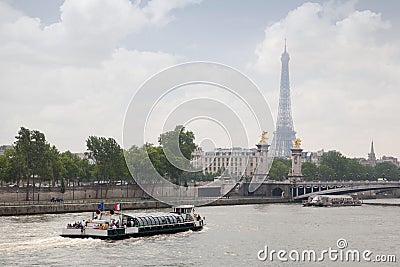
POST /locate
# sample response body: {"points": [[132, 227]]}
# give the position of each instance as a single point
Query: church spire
{"points": [[371, 156], [372, 147]]}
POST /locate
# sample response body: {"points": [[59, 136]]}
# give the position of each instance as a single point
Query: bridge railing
{"points": [[332, 182]]}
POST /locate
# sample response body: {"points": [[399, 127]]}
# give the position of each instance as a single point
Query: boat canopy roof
{"points": [[149, 214], [159, 218]]}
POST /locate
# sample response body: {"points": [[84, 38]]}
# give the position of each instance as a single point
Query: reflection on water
{"points": [[232, 237]]}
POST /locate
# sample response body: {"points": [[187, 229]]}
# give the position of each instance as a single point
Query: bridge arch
{"points": [[277, 192]]}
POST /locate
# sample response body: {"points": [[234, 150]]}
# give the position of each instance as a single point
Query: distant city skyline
{"points": [[71, 75]]}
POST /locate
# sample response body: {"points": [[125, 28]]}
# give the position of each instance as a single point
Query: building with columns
{"points": [[236, 161]]}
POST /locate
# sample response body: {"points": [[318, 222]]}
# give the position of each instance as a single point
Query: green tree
{"points": [[387, 170], [30, 148], [137, 161], [3, 166], [280, 168], [336, 162], [326, 173], [107, 154], [175, 153], [87, 170], [71, 167], [309, 171], [158, 159], [56, 167], [369, 172], [178, 141], [62, 187], [355, 171], [10, 167], [177, 144]]}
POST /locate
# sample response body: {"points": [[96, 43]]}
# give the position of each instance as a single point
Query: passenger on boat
{"points": [[76, 225]]}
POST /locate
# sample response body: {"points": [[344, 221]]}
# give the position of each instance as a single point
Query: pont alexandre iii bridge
{"points": [[296, 189], [303, 189]]}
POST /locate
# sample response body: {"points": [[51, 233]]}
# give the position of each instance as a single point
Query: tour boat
{"points": [[331, 201], [117, 225]]}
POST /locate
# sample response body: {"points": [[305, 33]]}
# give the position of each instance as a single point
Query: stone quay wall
{"points": [[18, 194]]}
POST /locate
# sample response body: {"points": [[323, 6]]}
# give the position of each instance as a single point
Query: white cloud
{"points": [[344, 76], [88, 31], [73, 78], [158, 10], [7, 13]]}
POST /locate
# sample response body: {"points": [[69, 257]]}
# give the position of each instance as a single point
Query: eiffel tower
{"points": [[284, 134]]}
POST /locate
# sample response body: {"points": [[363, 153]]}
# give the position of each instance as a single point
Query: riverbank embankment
{"points": [[21, 208]]}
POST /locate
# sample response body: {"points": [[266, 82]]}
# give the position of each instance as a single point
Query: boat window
{"points": [[152, 220], [142, 221], [163, 219], [168, 218], [173, 219], [158, 220], [178, 219]]}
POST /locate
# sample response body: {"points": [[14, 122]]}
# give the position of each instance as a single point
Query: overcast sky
{"points": [[69, 68]]}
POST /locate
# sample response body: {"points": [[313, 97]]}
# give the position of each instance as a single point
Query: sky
{"points": [[70, 68]]}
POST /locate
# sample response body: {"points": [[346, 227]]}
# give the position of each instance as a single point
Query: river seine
{"points": [[234, 236]]}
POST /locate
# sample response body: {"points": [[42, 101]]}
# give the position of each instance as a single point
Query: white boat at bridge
{"points": [[331, 201]]}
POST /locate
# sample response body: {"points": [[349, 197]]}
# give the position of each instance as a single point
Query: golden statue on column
{"points": [[297, 143], [263, 138]]}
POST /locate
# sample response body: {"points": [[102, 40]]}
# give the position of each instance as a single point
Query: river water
{"points": [[233, 237]]}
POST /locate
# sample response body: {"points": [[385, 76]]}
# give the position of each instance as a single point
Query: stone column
{"points": [[295, 173], [262, 167]]}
